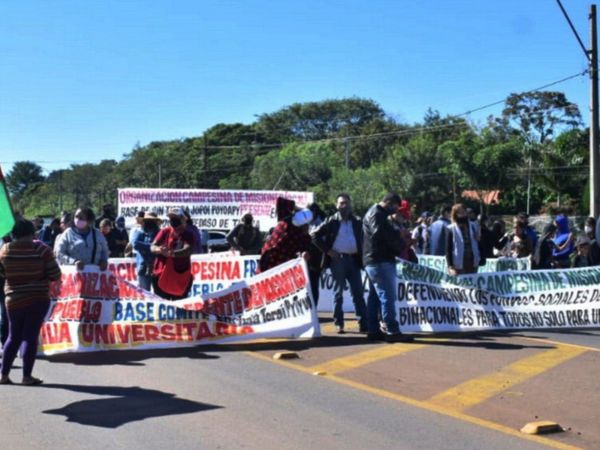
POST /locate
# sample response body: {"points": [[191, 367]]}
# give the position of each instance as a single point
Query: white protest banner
{"points": [[93, 310], [432, 301], [210, 209], [491, 264], [216, 271]]}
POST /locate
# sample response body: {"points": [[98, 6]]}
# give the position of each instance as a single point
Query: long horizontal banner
{"points": [[491, 264], [209, 209], [215, 271], [93, 310], [432, 301]]}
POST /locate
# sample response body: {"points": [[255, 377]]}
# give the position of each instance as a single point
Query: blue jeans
{"points": [[383, 287], [145, 282], [347, 268]]}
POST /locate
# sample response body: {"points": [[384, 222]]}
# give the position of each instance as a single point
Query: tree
{"points": [[319, 120], [538, 115], [296, 167], [24, 176]]}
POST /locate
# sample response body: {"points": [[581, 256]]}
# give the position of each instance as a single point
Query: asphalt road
{"points": [[215, 398], [233, 397]]}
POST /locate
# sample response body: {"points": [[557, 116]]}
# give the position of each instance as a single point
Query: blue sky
{"points": [[86, 80]]}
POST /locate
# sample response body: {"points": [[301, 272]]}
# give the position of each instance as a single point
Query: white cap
{"points": [[302, 217]]}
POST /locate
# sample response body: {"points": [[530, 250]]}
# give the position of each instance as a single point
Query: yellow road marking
{"points": [[366, 357], [479, 389], [424, 405]]}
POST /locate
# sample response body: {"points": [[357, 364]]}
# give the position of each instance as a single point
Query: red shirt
{"points": [[173, 240]]}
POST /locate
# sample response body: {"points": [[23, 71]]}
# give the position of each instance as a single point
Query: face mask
{"points": [[345, 211], [175, 221], [462, 219], [80, 224], [391, 210], [588, 229]]}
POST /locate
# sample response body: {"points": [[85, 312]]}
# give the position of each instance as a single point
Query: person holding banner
{"points": [[289, 237], [28, 268], [564, 242], [340, 238], [463, 255], [81, 243], [173, 246], [142, 239], [381, 245], [245, 237]]}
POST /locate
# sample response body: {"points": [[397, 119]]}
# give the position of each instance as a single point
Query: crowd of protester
{"points": [[342, 242]]}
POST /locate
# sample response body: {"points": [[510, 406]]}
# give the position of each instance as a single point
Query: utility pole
{"points": [[594, 156], [592, 56]]}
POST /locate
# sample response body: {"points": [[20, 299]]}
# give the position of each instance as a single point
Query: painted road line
{"points": [[423, 405], [479, 389], [550, 341], [366, 357]]}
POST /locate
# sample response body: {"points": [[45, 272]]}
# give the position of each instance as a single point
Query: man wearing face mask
{"points": [[381, 245], [245, 237], [172, 247], [340, 238], [142, 239], [81, 243], [463, 254]]}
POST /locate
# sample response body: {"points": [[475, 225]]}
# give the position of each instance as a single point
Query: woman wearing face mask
{"points": [[81, 243], [172, 247], [462, 246], [245, 238], [142, 239]]}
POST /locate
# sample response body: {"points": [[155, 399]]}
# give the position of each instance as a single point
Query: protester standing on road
{"points": [[142, 241], [340, 238], [521, 245], [438, 233], [419, 234], [315, 254], [28, 268], [49, 232], [172, 247], [289, 237], [82, 244], [581, 257], [107, 213], [462, 248], [564, 242], [381, 245], [245, 237], [486, 237], [542, 258], [195, 231]]}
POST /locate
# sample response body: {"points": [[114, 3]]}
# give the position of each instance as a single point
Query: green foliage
{"points": [[356, 148]]}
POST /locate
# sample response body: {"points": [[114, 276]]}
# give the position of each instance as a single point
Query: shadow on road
{"points": [[123, 405], [128, 357]]}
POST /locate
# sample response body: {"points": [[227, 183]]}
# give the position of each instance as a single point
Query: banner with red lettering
{"points": [[210, 209], [93, 310]]}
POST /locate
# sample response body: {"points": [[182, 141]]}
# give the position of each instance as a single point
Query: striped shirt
{"points": [[28, 268]]}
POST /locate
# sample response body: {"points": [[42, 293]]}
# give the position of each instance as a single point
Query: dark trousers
{"points": [[3, 315], [346, 268], [315, 277], [24, 327]]}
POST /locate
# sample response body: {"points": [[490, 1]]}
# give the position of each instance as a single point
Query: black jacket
{"points": [[324, 237], [381, 243]]}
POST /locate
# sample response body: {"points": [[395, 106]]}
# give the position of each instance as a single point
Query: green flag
{"points": [[7, 219]]}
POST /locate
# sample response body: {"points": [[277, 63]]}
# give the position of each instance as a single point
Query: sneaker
{"points": [[339, 330]]}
